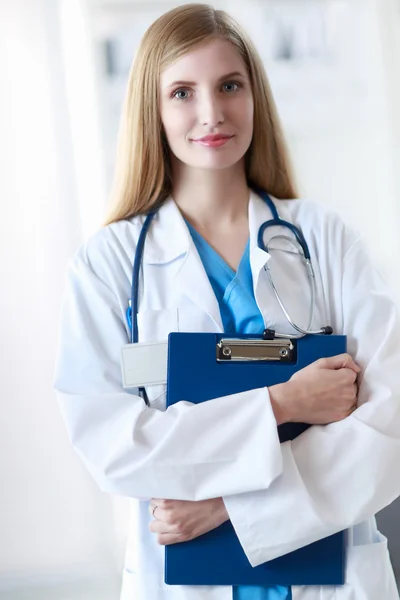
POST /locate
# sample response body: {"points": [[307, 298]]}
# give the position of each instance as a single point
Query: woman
{"points": [[197, 75]]}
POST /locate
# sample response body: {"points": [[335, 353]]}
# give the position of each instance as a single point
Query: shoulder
{"points": [[321, 225], [341, 250], [109, 252]]}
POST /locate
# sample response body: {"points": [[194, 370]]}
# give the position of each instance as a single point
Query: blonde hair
{"points": [[142, 178]]}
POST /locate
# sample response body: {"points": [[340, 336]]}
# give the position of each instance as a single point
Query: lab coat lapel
{"points": [[192, 281], [258, 214], [170, 242]]}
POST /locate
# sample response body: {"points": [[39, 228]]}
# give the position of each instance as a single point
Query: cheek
{"points": [[248, 112], [248, 118], [174, 122], [243, 113]]}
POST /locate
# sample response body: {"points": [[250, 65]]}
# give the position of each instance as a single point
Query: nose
{"points": [[211, 111]]}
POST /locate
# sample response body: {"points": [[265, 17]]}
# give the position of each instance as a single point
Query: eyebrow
{"points": [[227, 76]]}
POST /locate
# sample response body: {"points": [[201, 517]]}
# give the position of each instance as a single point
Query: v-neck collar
{"points": [[222, 262]]}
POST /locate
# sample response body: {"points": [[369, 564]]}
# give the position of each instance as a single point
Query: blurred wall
{"points": [[55, 525]]}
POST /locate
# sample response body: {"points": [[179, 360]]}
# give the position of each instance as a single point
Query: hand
{"points": [[321, 393], [182, 520]]}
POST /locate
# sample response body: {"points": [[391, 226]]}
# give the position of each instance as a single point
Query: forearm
{"points": [[139, 452]]}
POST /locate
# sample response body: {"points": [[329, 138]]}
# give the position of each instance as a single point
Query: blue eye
{"points": [[180, 91], [232, 83]]}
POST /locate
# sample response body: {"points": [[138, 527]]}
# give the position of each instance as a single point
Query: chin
{"points": [[221, 164], [215, 160], [218, 161]]}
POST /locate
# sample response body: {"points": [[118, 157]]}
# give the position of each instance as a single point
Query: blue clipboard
{"points": [[203, 366]]}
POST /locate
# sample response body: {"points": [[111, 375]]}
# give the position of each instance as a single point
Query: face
{"points": [[204, 93]]}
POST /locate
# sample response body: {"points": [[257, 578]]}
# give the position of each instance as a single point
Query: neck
{"points": [[210, 198]]}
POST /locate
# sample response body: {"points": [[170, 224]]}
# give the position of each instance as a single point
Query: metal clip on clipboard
{"points": [[255, 350]]}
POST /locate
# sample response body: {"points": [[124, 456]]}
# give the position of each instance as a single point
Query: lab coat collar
{"points": [[169, 237]]}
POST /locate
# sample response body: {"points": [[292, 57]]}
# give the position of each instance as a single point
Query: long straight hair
{"points": [[142, 177]]}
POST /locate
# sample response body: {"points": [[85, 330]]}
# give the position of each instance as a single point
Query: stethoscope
{"points": [[276, 221]]}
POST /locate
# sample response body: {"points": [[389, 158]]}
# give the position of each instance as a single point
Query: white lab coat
{"points": [[279, 497]]}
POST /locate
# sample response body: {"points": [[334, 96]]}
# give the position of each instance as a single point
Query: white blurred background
{"points": [[334, 67]]}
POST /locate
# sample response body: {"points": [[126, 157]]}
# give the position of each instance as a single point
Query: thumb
{"points": [[340, 361]]}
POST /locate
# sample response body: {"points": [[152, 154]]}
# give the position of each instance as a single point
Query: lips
{"points": [[213, 138]]}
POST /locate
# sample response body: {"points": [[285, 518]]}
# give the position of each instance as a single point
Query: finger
{"points": [[156, 505], [165, 539], [355, 395], [163, 528], [158, 501], [339, 361], [153, 508], [348, 374], [354, 401], [158, 513]]}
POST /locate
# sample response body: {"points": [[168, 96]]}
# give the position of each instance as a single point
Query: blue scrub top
{"points": [[239, 314]]}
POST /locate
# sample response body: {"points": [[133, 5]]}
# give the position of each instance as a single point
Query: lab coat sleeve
{"points": [[337, 475], [189, 451]]}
